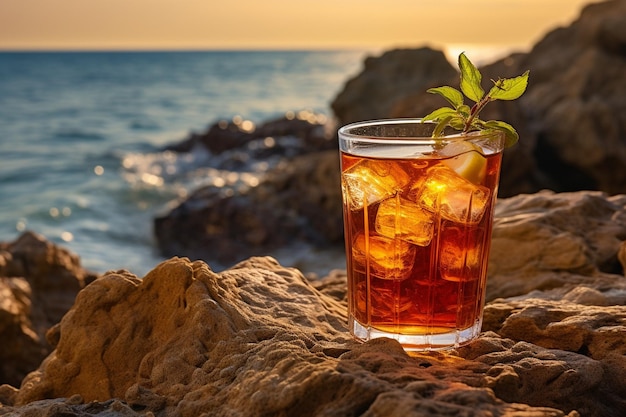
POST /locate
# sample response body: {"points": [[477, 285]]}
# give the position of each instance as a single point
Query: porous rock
{"points": [[38, 284], [556, 240], [258, 339]]}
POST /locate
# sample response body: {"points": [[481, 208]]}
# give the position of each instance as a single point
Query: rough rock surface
{"points": [[38, 284], [556, 240], [571, 120], [260, 339]]}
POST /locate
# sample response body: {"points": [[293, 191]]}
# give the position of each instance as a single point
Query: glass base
{"points": [[418, 342]]}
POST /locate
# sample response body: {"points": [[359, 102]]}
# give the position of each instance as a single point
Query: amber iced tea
{"points": [[418, 217]]}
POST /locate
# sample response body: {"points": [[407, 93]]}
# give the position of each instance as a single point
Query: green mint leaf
{"points": [[467, 119], [510, 134], [470, 79], [454, 96], [440, 113], [464, 111], [453, 121], [441, 125], [457, 123], [509, 88]]}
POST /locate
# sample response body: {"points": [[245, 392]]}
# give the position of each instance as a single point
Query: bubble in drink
{"points": [[400, 218], [452, 196], [367, 182], [389, 259]]}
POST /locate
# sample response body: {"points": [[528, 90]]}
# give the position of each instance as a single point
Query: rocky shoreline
{"points": [[571, 120], [260, 339], [263, 339], [296, 201]]}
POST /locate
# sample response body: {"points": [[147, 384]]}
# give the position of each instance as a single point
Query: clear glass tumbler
{"points": [[418, 215]]}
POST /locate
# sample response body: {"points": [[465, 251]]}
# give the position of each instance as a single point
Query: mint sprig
{"points": [[463, 117]]}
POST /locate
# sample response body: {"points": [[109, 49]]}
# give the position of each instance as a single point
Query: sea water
{"points": [[82, 135]]}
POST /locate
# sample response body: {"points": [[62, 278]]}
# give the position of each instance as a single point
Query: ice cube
{"points": [[400, 218], [383, 301], [386, 258], [453, 197], [460, 252], [368, 181]]}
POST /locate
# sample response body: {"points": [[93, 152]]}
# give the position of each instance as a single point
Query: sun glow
{"points": [[275, 24]]}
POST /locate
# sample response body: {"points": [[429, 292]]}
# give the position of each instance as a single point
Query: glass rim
{"points": [[346, 134]]}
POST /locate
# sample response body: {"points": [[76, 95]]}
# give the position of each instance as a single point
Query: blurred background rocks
{"points": [[571, 122]]}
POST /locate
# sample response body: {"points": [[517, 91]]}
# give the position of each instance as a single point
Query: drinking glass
{"points": [[418, 213]]}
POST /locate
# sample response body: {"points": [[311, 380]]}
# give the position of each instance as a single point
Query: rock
{"points": [[297, 201], [571, 120], [556, 240], [261, 339], [72, 407], [621, 256], [384, 80], [38, 284], [309, 130], [576, 104], [554, 378]]}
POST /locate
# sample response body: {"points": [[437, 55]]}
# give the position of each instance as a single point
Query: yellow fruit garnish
{"points": [[469, 162]]}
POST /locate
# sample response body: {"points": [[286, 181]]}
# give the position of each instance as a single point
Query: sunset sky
{"points": [[276, 24]]}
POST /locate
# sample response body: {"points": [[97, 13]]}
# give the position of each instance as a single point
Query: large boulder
{"points": [[38, 284], [302, 132], [572, 119], [297, 202], [576, 106], [260, 339], [294, 200], [563, 240], [384, 80]]}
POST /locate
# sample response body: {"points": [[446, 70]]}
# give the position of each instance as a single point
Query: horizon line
{"points": [[252, 48], [165, 49]]}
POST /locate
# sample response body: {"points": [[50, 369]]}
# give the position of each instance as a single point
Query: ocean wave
{"points": [[72, 135], [83, 133]]}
